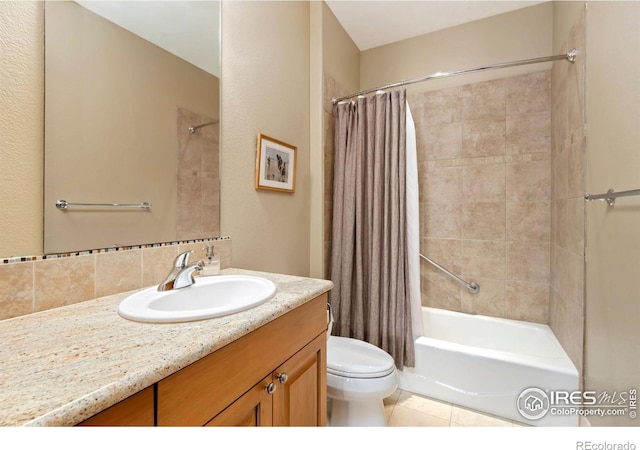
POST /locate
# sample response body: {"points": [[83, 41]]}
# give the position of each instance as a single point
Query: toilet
{"points": [[359, 376]]}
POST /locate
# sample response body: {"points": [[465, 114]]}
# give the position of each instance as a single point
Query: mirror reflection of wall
{"points": [[117, 112]]}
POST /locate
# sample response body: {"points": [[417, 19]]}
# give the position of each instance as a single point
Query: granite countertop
{"points": [[62, 366]]}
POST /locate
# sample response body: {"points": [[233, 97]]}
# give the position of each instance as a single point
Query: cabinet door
{"points": [[300, 398], [253, 409], [135, 411]]}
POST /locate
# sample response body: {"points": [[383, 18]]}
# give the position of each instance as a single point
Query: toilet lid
{"points": [[354, 358]]}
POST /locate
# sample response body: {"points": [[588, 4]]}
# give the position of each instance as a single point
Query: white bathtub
{"points": [[484, 363]]}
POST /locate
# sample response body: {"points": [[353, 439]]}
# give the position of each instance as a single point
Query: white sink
{"points": [[209, 297]]}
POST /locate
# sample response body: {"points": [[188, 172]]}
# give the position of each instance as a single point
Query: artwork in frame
{"points": [[275, 165]]}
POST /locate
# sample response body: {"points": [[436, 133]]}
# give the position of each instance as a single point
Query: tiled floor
{"points": [[405, 409]]}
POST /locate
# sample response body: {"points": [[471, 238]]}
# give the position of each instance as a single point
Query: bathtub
{"points": [[484, 363]]}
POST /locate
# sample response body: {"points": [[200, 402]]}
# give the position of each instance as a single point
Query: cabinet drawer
{"points": [[195, 394]]}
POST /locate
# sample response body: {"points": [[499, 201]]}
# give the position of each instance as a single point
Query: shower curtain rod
{"points": [[571, 57]]}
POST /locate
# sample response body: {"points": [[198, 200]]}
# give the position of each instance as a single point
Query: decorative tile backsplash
{"points": [[37, 283]]}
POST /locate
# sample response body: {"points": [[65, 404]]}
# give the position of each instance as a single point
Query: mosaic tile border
{"points": [[17, 259]]}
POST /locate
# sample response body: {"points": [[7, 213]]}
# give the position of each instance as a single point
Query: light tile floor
{"points": [[406, 409]]}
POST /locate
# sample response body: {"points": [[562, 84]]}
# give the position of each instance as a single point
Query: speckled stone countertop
{"points": [[62, 366]]}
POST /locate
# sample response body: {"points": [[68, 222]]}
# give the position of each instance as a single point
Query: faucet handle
{"points": [[182, 260]]}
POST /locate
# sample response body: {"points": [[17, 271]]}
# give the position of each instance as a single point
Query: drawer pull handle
{"points": [[270, 388], [282, 377]]}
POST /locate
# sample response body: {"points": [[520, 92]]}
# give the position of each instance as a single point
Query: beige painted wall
{"points": [[265, 89], [111, 133], [521, 34], [21, 127], [613, 161], [341, 76]]}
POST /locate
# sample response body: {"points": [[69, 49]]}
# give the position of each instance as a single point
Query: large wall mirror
{"points": [[131, 116]]}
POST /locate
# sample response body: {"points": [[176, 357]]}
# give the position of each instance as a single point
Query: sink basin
{"points": [[209, 297]]}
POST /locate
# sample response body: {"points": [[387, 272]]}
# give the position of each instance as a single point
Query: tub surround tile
{"points": [[484, 183], [442, 184], [529, 181], [488, 301], [484, 221], [484, 259], [527, 301], [528, 221], [441, 220], [529, 133], [51, 362], [440, 106], [483, 138], [528, 93], [485, 100], [442, 141], [528, 261]]}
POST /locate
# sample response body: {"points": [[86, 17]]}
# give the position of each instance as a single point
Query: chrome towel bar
{"points": [[472, 287], [611, 195], [63, 205]]}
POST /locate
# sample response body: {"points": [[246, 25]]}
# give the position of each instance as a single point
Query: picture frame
{"points": [[275, 165]]}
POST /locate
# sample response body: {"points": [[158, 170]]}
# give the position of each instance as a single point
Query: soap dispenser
{"points": [[211, 263]]}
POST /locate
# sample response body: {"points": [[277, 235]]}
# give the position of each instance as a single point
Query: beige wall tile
{"points": [[528, 221], [442, 106], [561, 174], [528, 93], [528, 261], [527, 301], [63, 281], [157, 263], [483, 138], [439, 291], [118, 272], [485, 259], [484, 221], [441, 184], [488, 301], [484, 183], [529, 181], [446, 252], [442, 141], [441, 220], [529, 133], [16, 289], [575, 225], [484, 100], [575, 165]]}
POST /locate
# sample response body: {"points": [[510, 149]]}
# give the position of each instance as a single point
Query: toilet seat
{"points": [[347, 357]]}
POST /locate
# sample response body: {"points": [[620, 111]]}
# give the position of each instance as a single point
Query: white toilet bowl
{"points": [[359, 376]]}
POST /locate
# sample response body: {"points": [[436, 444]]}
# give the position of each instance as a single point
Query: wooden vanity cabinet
{"points": [[135, 411], [292, 395], [243, 383]]}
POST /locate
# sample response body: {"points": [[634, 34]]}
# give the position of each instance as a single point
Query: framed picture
{"points": [[275, 165]]}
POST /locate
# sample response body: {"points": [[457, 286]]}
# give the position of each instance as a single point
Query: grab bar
{"points": [[473, 287], [611, 195], [63, 205]]}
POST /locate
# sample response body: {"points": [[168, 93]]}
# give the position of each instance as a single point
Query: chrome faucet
{"points": [[181, 274]]}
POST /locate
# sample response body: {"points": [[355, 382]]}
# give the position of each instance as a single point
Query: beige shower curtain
{"points": [[370, 300]]}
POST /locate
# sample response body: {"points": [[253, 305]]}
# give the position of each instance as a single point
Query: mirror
{"points": [[124, 81]]}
